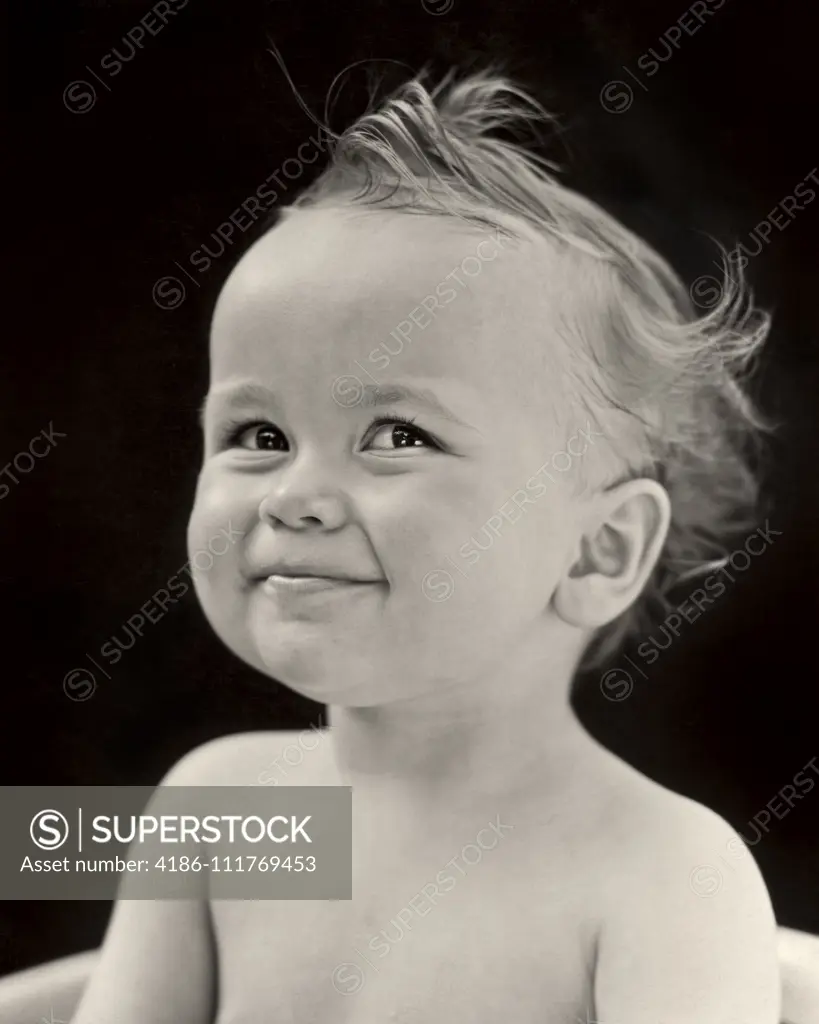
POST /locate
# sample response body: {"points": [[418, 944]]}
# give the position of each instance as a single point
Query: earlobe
{"points": [[626, 532]]}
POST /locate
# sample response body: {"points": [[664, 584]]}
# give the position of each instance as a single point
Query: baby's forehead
{"points": [[328, 287], [355, 258]]}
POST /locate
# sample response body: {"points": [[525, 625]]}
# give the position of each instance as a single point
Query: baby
{"points": [[470, 430]]}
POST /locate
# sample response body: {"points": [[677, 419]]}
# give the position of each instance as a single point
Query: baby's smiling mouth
{"points": [[286, 578], [279, 584]]}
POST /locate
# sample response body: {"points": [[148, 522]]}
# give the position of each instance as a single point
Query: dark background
{"points": [[109, 199]]}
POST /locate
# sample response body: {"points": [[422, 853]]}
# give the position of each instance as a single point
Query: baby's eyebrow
{"points": [[375, 395], [236, 395]]}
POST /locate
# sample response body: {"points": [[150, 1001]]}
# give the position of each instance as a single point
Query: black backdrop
{"points": [[113, 189]]}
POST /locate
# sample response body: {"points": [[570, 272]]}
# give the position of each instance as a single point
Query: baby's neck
{"points": [[481, 739]]}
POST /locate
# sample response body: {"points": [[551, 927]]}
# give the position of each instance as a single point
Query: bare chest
{"points": [[482, 937]]}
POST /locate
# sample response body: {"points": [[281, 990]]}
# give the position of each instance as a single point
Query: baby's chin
{"points": [[361, 678], [339, 666], [313, 668]]}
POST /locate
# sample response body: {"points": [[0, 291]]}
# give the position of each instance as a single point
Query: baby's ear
{"points": [[625, 532]]}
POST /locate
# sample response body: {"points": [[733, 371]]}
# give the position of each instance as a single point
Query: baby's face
{"points": [[449, 549]]}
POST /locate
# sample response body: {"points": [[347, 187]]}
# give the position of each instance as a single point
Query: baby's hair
{"points": [[665, 385]]}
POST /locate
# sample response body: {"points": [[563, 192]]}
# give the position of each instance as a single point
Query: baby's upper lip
{"points": [[319, 570]]}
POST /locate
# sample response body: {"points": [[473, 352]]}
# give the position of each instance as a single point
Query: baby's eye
{"points": [[394, 434], [257, 437]]}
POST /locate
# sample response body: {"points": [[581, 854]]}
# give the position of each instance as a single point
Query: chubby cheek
{"points": [[456, 566], [413, 525], [218, 524], [476, 569]]}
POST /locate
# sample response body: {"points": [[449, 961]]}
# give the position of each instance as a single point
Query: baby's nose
{"points": [[302, 498]]}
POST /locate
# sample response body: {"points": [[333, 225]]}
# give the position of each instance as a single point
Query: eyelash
{"points": [[231, 432], [234, 429], [381, 421]]}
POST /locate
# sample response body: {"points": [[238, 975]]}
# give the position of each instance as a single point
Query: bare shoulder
{"points": [[686, 911], [659, 838], [269, 758]]}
